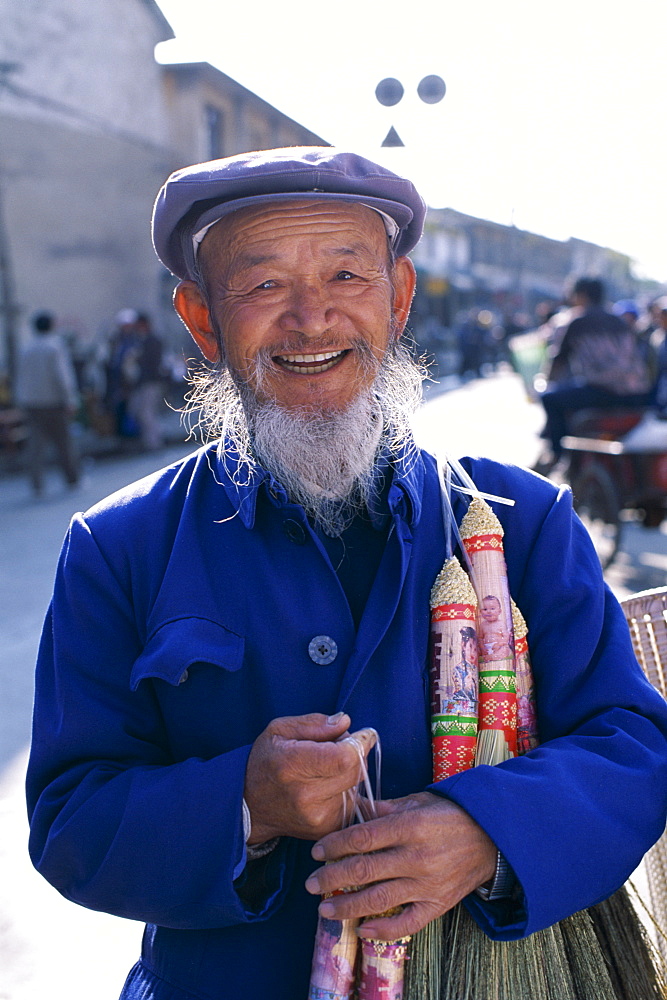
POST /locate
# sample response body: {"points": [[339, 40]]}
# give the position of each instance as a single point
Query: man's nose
{"points": [[309, 310]]}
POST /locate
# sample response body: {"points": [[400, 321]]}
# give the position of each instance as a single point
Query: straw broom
{"points": [[453, 672], [345, 967], [583, 957], [537, 965], [482, 533], [454, 741], [333, 972], [605, 950]]}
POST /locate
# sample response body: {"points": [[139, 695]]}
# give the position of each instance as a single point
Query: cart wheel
{"points": [[597, 503]]}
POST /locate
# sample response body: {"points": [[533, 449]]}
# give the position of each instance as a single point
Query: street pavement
{"points": [[48, 946]]}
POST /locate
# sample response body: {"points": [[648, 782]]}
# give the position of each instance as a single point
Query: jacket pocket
{"points": [[182, 643]]}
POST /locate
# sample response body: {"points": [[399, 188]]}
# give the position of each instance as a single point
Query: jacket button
{"points": [[322, 649], [294, 531]]}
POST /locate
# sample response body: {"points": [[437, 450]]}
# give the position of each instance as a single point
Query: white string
{"points": [[450, 523], [444, 478], [370, 798], [466, 484], [445, 468], [483, 496]]}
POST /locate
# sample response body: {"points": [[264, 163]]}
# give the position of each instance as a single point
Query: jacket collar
{"points": [[242, 485]]}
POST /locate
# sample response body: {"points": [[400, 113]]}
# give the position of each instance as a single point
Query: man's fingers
{"points": [[315, 726], [409, 920], [372, 868], [386, 807], [425, 855], [298, 771], [384, 898], [417, 818], [360, 743], [375, 835], [367, 901], [338, 762]]}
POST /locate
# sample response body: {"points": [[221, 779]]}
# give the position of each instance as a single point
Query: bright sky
{"points": [[553, 117]]}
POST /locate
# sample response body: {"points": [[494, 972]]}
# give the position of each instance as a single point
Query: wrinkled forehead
{"points": [[293, 217]]}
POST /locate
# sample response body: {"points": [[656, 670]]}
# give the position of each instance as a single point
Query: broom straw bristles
{"points": [[491, 747]]}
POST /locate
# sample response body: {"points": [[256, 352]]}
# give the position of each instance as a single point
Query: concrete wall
{"points": [[93, 58], [83, 150], [78, 222]]}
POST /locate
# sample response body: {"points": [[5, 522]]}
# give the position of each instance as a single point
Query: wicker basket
{"points": [[646, 614]]}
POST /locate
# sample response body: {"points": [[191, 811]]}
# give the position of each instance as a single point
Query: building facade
{"points": [[90, 127], [466, 263]]}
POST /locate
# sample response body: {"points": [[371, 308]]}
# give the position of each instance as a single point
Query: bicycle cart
{"points": [[618, 471]]}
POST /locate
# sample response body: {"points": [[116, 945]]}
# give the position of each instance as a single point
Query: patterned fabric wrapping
{"points": [[334, 959], [382, 969], [526, 710], [453, 672], [482, 537]]}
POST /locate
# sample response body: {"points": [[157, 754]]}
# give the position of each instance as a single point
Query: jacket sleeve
{"points": [[116, 823], [575, 816]]}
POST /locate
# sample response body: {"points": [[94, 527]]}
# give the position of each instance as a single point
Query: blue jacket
{"points": [[183, 611]]}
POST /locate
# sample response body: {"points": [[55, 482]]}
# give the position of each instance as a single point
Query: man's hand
{"points": [[423, 853], [297, 775]]}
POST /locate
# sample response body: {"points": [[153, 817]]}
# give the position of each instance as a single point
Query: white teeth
{"points": [[309, 358], [310, 364]]}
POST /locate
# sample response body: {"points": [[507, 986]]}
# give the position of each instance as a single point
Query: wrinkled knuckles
{"points": [[361, 839], [382, 897], [363, 870]]}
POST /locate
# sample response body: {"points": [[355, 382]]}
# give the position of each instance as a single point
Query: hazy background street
{"points": [[49, 947]]}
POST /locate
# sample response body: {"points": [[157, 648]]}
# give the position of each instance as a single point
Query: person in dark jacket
{"points": [[600, 362], [148, 386]]}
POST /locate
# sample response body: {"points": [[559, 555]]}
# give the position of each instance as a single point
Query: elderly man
{"points": [[218, 627]]}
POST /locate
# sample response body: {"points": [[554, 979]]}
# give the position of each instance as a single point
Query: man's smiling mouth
{"points": [[309, 364]]}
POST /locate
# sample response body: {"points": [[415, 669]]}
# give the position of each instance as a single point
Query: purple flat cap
{"points": [[196, 197]]}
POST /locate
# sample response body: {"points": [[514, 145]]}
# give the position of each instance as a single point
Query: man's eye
{"points": [[269, 283], [344, 276]]}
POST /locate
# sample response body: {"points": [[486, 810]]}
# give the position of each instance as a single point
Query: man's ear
{"points": [[405, 280], [191, 306]]}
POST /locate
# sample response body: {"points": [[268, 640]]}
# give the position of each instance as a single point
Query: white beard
{"points": [[325, 461], [324, 458]]}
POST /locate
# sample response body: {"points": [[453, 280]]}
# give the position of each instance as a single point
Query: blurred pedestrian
{"points": [[46, 391], [659, 345], [121, 372], [650, 321], [146, 395], [471, 336], [600, 363], [627, 310]]}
